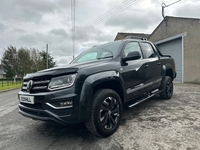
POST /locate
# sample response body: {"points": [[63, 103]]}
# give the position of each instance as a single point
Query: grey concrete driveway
{"points": [[164, 124], [153, 125]]}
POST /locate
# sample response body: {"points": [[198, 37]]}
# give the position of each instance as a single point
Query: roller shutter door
{"points": [[174, 48]]}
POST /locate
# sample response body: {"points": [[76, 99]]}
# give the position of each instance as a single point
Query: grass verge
{"points": [[10, 87]]}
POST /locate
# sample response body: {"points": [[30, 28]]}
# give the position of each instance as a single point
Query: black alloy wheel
{"points": [[109, 113], [167, 88], [106, 113]]}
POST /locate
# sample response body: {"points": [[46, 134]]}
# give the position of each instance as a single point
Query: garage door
{"points": [[174, 48]]}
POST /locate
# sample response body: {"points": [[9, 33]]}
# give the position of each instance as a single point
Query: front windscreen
{"points": [[108, 50]]}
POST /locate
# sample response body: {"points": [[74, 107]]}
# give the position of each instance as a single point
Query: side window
{"points": [[148, 50], [132, 46]]}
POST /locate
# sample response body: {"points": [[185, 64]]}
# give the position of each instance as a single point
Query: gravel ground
{"points": [[155, 124], [163, 124]]}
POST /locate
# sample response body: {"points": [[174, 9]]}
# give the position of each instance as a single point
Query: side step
{"points": [[151, 94]]}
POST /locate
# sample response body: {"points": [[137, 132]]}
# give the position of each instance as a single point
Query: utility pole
{"points": [[163, 5], [73, 10], [47, 55]]}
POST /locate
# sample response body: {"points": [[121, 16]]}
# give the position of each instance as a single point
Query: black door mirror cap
{"points": [[132, 56]]}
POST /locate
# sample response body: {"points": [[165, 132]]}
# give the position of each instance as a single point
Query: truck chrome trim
{"points": [[58, 107]]}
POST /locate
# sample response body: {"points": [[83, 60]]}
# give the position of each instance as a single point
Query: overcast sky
{"points": [[34, 23]]}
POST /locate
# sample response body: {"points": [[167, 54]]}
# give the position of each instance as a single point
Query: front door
{"points": [[134, 71]]}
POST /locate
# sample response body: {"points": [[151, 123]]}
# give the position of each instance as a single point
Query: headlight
{"points": [[62, 82]]}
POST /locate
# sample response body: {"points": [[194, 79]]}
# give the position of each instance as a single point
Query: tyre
{"points": [[106, 113], [167, 88]]}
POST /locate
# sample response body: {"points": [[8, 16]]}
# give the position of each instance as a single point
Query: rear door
{"points": [[153, 65]]}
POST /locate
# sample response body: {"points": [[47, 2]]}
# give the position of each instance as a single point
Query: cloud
{"points": [[91, 33], [33, 39], [134, 20], [62, 49], [53, 36], [18, 30], [2, 27], [59, 32], [32, 10], [37, 5], [88, 11], [188, 9], [34, 23], [63, 60]]}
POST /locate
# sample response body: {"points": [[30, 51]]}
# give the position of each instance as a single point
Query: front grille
{"points": [[38, 85]]}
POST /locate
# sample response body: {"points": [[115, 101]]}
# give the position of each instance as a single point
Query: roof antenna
{"points": [[164, 5]]}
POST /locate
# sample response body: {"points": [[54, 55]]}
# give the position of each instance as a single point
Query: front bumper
{"points": [[44, 110]]}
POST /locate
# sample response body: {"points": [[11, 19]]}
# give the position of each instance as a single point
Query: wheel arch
{"points": [[107, 79], [168, 71], [114, 85]]}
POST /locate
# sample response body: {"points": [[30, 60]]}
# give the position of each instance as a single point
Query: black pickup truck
{"points": [[96, 86]]}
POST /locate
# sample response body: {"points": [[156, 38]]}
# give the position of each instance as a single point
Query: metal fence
{"points": [[10, 82]]}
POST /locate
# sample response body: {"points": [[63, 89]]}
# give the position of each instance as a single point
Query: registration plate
{"points": [[26, 99]]}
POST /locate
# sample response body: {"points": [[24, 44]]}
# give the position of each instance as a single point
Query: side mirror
{"points": [[132, 56]]}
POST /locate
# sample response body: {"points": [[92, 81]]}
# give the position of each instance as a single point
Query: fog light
{"points": [[61, 105], [67, 103]]}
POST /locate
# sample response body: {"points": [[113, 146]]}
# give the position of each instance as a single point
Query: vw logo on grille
{"points": [[29, 85]]}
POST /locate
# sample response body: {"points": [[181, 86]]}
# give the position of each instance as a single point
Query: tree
{"points": [[43, 61], [35, 60], [10, 61], [24, 62]]}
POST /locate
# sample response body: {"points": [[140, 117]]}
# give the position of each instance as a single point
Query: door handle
{"points": [[159, 63], [146, 66]]}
